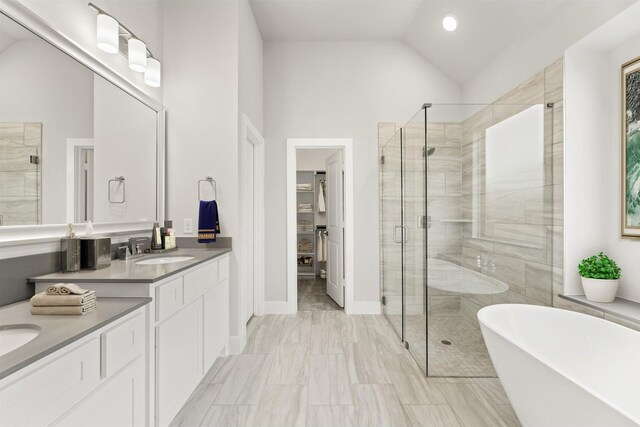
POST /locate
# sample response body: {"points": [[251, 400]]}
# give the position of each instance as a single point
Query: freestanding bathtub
{"points": [[565, 369]]}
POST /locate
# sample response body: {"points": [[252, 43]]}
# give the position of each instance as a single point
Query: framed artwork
{"points": [[631, 149]]}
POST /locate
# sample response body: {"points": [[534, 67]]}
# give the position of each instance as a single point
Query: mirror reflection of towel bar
{"points": [[211, 181], [119, 179]]}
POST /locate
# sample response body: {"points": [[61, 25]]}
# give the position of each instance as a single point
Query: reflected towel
{"points": [[208, 223], [65, 289], [44, 300], [64, 310]]}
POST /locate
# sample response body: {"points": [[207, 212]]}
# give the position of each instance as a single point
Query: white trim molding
{"points": [[345, 144], [250, 133], [237, 342]]}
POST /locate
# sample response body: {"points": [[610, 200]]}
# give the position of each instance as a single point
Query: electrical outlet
{"points": [[187, 226]]}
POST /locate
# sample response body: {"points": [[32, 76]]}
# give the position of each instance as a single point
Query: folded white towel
{"points": [[65, 289], [44, 300]]}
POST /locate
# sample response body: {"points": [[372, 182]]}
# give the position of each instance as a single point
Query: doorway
{"points": [[319, 224]]}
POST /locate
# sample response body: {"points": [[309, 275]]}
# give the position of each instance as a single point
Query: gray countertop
{"points": [[132, 272], [58, 331]]}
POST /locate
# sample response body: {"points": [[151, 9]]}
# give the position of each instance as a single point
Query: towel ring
{"points": [[119, 179], [211, 181]]}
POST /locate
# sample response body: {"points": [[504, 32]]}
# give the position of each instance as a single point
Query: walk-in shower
{"points": [[466, 221]]}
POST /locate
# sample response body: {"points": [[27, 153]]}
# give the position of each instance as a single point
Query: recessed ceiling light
{"points": [[450, 22]]}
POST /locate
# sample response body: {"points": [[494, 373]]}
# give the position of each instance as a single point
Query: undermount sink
{"points": [[165, 260], [15, 336]]}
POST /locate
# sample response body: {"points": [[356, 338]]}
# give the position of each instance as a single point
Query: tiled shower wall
{"points": [[518, 226], [20, 187]]}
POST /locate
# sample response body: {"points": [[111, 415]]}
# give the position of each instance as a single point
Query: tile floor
{"points": [[312, 295], [324, 368]]}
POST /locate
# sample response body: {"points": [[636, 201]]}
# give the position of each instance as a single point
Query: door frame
{"points": [[250, 133], [345, 144]]}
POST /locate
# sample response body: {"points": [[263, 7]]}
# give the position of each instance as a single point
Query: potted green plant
{"points": [[600, 278]]}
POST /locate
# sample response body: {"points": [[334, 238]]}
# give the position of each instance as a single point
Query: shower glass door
{"points": [[415, 221], [391, 228]]}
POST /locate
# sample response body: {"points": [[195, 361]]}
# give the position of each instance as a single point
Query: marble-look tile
{"points": [[33, 135], [194, 411], [230, 416], [327, 339], [435, 134], [453, 184], [282, 406], [266, 337], [332, 416], [444, 306], [505, 206], [329, 382], [353, 328], [246, 382], [364, 364], [444, 160], [16, 159], [508, 415], [471, 405], [474, 127], [381, 337], [492, 388], [221, 369], [624, 322], [528, 93], [386, 130], [436, 184], [452, 135], [297, 327], [290, 364], [377, 405], [432, 416], [558, 163], [411, 386], [553, 81], [558, 123], [12, 184], [11, 134]]}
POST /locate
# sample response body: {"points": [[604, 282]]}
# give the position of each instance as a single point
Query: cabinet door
{"points": [[216, 330], [178, 360], [120, 401]]}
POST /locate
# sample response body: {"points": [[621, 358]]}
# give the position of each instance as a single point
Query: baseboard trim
{"points": [[237, 342], [365, 307], [279, 307]]}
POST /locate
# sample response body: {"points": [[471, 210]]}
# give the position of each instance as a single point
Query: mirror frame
{"points": [[38, 233]]}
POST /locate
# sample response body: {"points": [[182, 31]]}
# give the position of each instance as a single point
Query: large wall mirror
{"points": [[74, 146]]}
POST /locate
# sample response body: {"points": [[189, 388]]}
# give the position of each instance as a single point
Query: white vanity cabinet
{"points": [[191, 332], [99, 380]]}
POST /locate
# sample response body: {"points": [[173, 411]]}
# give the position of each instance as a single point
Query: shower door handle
{"points": [[403, 229]]}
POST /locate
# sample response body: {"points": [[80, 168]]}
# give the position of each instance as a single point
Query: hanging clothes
{"points": [[321, 242], [321, 202]]}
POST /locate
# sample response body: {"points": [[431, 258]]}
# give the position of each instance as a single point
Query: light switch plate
{"points": [[187, 226]]}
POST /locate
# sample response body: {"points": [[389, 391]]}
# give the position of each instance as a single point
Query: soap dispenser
{"points": [[70, 251], [156, 238]]}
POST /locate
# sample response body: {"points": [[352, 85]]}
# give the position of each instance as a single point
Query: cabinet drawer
{"points": [[122, 343], [198, 282], [41, 396], [169, 298], [223, 268]]}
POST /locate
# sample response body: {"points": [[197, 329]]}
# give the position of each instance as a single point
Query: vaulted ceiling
{"points": [[487, 27]]}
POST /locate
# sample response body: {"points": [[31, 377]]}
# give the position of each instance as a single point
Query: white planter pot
{"points": [[600, 290]]}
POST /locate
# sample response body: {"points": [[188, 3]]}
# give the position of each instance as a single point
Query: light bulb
{"points": [[450, 22], [152, 74], [107, 33], [137, 55]]}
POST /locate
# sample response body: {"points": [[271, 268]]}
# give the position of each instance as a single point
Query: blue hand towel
{"points": [[208, 224]]}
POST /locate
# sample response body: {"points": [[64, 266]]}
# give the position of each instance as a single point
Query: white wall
{"points": [[250, 66], [592, 152], [40, 84], [213, 73], [77, 21], [339, 89], [565, 26]]}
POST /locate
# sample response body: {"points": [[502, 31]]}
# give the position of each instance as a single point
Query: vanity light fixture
{"points": [[112, 36], [450, 22]]}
